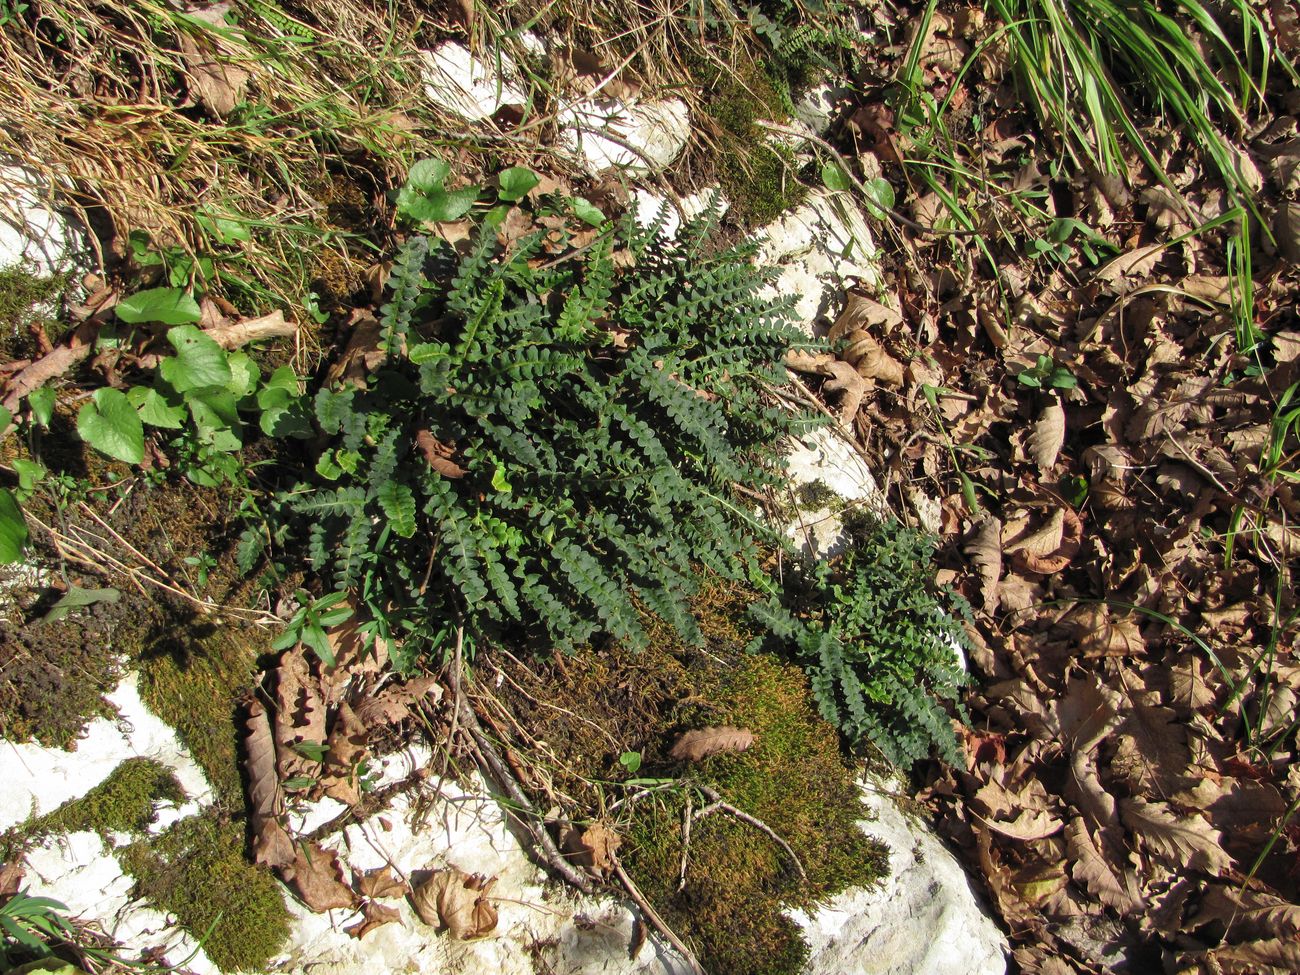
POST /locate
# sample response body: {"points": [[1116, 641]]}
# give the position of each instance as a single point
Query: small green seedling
{"points": [[309, 623], [423, 198], [1046, 374], [630, 761]]}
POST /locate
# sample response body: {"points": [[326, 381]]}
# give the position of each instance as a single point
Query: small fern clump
{"points": [[878, 641], [551, 446]]}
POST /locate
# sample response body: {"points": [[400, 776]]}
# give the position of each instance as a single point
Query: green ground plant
{"points": [[550, 440], [878, 640]]}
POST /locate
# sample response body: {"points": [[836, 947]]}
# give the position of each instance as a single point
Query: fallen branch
{"points": [[653, 917], [524, 813], [33, 377]]}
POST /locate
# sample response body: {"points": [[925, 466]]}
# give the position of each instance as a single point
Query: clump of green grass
{"points": [[1089, 67]]}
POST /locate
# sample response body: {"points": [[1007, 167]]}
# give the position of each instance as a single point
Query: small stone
{"points": [[606, 133]]}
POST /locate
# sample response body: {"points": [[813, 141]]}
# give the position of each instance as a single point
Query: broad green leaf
{"points": [[199, 361], [399, 505], [332, 408], [6, 421], [499, 481], [428, 175], [881, 193], [285, 421], [110, 424], [30, 474], [244, 374], [13, 529], [516, 183], [280, 389], [440, 206], [584, 209], [327, 469], [834, 178], [41, 403], [154, 408], [171, 306]]}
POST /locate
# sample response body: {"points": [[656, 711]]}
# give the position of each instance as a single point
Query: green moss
{"points": [[21, 296], [816, 494], [197, 871], [122, 803], [795, 778], [756, 175]]}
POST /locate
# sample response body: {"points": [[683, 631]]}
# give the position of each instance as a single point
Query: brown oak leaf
{"points": [[457, 901], [380, 882], [316, 877], [271, 843], [372, 916], [593, 848]]}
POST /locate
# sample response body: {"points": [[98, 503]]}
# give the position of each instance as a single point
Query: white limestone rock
{"points": [[825, 457], [33, 233], [37, 779], [633, 137], [78, 870], [924, 920], [821, 248], [471, 86], [647, 207]]}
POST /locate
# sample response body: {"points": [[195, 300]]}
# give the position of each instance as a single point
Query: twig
{"points": [[529, 820], [687, 818], [653, 917]]}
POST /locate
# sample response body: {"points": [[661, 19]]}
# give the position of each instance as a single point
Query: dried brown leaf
{"points": [[1094, 871], [694, 746], [852, 387], [1030, 824], [458, 901], [860, 314], [213, 78], [1128, 268], [347, 748], [372, 916], [11, 878], [1152, 754], [271, 843], [439, 455], [317, 878], [1048, 436], [299, 715], [593, 849], [1063, 530], [1274, 956], [394, 704], [1181, 841], [380, 882], [985, 551]]}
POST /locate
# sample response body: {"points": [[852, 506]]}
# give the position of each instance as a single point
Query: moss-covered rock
{"points": [[122, 803], [197, 870]]}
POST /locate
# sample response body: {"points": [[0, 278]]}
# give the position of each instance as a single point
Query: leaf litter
{"points": [[1129, 785]]}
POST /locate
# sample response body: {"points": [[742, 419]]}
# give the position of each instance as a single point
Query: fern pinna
{"points": [[551, 444]]}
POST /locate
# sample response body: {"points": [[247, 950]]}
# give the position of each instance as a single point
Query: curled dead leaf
{"points": [[315, 875], [693, 746], [1052, 547], [394, 704], [347, 748], [458, 901], [372, 916], [271, 843], [380, 882], [593, 849], [439, 455]]}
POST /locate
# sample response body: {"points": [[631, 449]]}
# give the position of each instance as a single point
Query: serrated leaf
{"points": [[170, 306], [13, 529], [199, 362], [154, 408], [1048, 436], [399, 505], [332, 408], [110, 424]]}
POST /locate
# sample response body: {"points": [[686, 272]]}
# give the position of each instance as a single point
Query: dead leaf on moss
{"points": [[380, 882], [372, 916], [593, 849], [458, 901], [11, 878], [317, 878], [271, 843], [694, 746]]}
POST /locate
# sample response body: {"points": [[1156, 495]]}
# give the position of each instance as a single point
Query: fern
{"points": [[877, 640]]}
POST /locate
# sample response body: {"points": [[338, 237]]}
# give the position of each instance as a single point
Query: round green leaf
{"points": [[585, 210], [834, 178], [440, 206], [428, 175], [516, 183], [41, 403], [154, 409], [110, 424], [171, 306], [13, 529], [199, 362], [881, 193]]}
